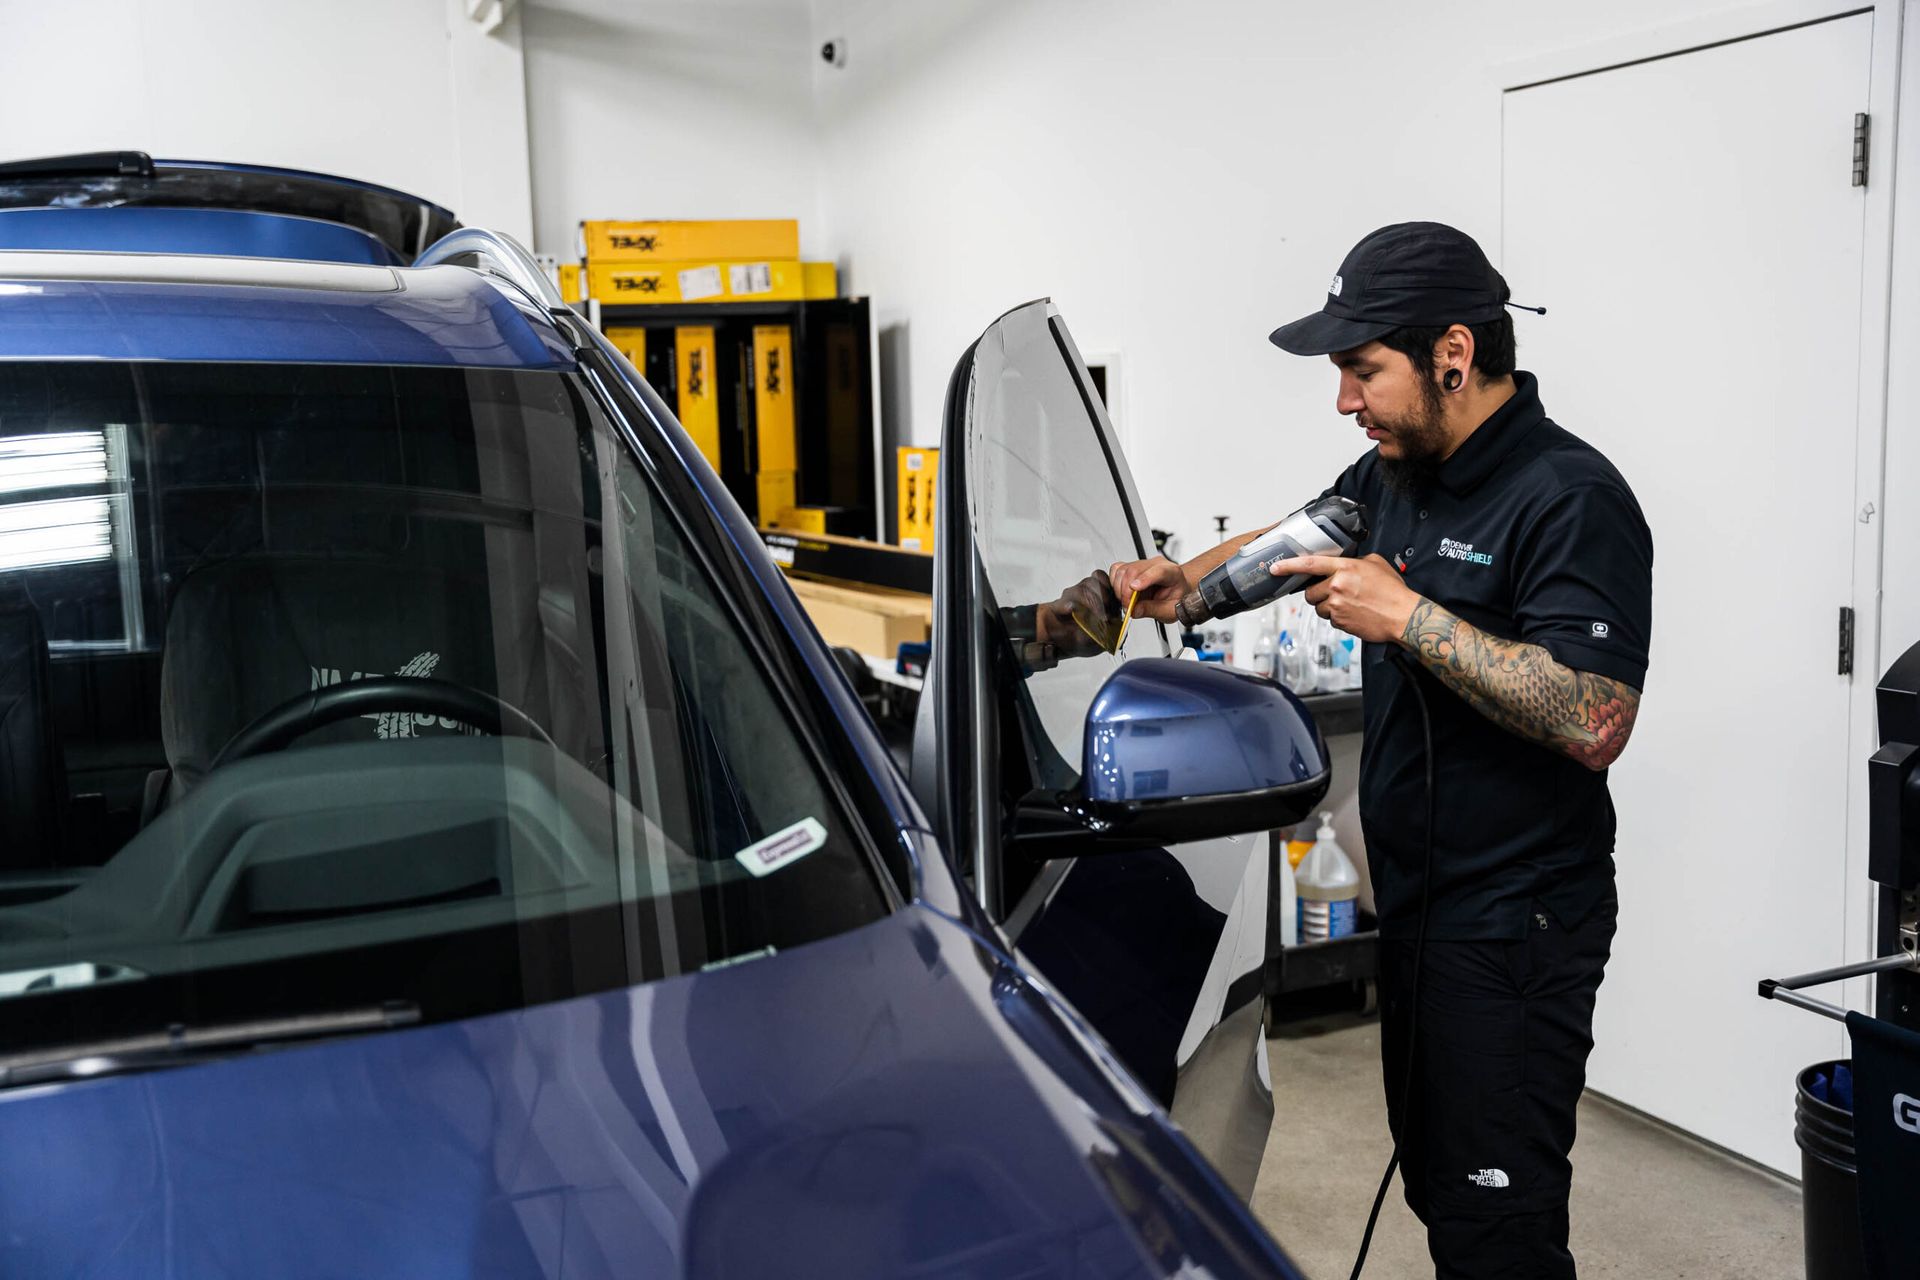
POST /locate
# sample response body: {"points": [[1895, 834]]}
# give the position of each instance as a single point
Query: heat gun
{"points": [[1329, 526]]}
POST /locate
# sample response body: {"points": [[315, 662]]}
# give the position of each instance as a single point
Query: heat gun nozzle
{"points": [[1192, 610]]}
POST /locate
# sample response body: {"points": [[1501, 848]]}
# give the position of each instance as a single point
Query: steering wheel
{"points": [[305, 712]]}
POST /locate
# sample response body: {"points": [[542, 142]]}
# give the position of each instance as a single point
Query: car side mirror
{"points": [[1178, 750]]}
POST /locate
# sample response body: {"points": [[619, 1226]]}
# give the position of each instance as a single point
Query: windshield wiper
{"points": [[181, 1045]]}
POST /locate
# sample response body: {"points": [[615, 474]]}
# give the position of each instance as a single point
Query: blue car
{"points": [[434, 842]]}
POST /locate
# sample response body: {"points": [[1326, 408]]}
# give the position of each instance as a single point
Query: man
{"points": [[1507, 575]]}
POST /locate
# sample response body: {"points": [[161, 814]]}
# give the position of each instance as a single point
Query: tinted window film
{"points": [[1048, 517]]}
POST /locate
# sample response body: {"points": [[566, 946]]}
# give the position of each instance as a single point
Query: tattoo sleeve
{"points": [[1521, 687]]}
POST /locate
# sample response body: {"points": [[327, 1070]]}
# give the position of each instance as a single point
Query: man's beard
{"points": [[1422, 437]]}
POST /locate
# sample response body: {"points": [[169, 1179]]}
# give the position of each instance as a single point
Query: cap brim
{"points": [[1321, 334]]}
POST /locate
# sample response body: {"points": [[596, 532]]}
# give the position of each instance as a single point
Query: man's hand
{"points": [[1364, 598], [1160, 582], [1053, 621]]}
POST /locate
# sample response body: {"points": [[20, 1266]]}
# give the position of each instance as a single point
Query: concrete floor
{"points": [[1646, 1200]]}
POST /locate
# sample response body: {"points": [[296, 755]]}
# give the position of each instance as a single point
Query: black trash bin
{"points": [[1829, 1178]]}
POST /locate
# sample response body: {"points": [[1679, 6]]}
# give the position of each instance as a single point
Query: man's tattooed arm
{"points": [[1521, 688]]}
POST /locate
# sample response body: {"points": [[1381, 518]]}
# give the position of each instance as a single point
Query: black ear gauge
{"points": [[1452, 381]]}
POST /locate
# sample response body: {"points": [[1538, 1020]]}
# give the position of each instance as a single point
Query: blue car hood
{"points": [[893, 1101]]}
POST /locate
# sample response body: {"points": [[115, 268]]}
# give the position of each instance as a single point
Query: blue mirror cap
{"points": [[1164, 729]]}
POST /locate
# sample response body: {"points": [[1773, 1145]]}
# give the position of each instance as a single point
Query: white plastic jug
{"points": [[1328, 888]]}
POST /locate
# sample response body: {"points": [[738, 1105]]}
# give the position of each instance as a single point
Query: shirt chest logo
{"points": [[1452, 550]]}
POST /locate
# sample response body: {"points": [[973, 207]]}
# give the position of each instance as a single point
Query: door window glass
{"points": [[1048, 515]]}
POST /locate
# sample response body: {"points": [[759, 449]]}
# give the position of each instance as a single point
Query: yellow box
{"points": [[919, 472], [773, 398], [677, 241], [730, 281], [819, 280], [776, 492], [572, 285], [631, 341], [799, 520], [699, 392]]}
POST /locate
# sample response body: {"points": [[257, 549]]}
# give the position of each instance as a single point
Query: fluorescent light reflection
{"points": [[52, 461], [34, 535]]}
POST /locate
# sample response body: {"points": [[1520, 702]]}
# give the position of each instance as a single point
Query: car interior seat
{"points": [[245, 635]]}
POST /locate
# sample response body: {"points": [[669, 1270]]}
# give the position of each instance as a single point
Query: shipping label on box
{"points": [[918, 473], [679, 241], [696, 282]]}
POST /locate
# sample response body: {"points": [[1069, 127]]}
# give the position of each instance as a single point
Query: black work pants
{"points": [[1499, 1060]]}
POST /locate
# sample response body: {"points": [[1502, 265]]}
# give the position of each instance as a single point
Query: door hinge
{"points": [[1846, 641], [1862, 128]]}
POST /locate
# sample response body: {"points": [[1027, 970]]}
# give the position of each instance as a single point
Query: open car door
{"points": [[1070, 760]]}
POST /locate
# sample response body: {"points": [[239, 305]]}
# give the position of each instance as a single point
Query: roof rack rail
{"points": [[497, 254]]}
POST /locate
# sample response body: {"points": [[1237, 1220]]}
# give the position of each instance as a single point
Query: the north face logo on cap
{"points": [[1335, 287]]}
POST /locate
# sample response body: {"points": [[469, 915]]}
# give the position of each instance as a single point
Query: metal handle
{"points": [[1786, 990]]}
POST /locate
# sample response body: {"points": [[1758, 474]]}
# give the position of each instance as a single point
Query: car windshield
{"points": [[326, 685]]}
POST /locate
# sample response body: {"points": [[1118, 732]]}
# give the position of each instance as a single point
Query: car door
{"points": [[1159, 949]]}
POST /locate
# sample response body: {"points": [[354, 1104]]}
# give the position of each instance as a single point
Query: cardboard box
{"points": [[631, 342], [918, 474], [867, 619], [819, 280], [699, 391], [572, 283], [678, 241], [696, 281]]}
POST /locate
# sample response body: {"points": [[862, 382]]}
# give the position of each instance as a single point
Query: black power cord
{"points": [[1412, 672]]}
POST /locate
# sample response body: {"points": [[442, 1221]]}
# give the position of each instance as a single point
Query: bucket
{"points": [[1829, 1179]]}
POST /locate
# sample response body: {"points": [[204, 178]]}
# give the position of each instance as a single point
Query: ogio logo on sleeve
{"points": [[1489, 1178], [1601, 630]]}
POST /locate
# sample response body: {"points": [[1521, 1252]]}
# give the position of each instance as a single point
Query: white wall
{"points": [[405, 93], [1900, 565], [670, 109], [1180, 180]]}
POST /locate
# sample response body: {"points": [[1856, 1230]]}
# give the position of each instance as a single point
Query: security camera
{"points": [[834, 53]]}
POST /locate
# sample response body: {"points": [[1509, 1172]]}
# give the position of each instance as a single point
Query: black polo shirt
{"points": [[1529, 534]]}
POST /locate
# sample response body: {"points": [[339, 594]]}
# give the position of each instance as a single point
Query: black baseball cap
{"points": [[1411, 273]]}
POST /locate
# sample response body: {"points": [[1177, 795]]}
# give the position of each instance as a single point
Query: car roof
{"points": [[224, 232], [136, 306]]}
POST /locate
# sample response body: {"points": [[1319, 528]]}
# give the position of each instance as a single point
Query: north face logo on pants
{"points": [[1489, 1178]]}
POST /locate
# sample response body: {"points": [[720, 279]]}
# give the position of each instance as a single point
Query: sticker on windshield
{"points": [[783, 847]]}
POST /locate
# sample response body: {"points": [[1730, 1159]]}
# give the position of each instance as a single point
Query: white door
{"points": [[1691, 226]]}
